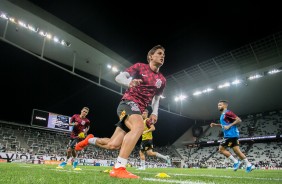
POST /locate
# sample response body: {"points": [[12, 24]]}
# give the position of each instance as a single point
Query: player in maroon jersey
{"points": [[80, 125], [145, 85]]}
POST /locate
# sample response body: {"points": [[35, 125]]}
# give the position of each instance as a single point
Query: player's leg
{"points": [[134, 122], [243, 158], [227, 154], [112, 143], [159, 155], [74, 153], [142, 160], [75, 160], [151, 153], [69, 154], [85, 142]]}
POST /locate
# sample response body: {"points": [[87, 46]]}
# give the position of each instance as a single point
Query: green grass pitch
{"points": [[18, 173]]}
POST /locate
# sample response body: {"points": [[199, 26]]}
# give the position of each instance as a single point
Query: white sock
{"points": [[121, 162], [246, 162], [143, 163], [92, 140], [161, 156], [233, 159]]}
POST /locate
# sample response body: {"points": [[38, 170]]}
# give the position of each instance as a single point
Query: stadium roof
{"points": [[200, 83], [28, 29]]}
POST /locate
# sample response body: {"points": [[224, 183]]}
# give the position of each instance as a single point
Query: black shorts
{"points": [[146, 145], [230, 142], [126, 108], [73, 142]]}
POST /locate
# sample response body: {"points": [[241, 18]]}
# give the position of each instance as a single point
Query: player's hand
{"points": [[75, 123], [226, 127], [212, 124], [153, 118], [135, 82]]}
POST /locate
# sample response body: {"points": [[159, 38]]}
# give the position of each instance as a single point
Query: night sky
{"points": [[191, 33]]}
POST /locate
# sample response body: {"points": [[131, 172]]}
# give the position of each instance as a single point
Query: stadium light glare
{"points": [[4, 16], [274, 71], [114, 69], [225, 85], [30, 27], [235, 82], [256, 76], [203, 91], [197, 93], [180, 98], [207, 90]]}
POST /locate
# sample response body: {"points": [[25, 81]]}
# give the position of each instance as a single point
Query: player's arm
{"points": [[86, 129], [72, 121], [124, 78], [155, 108], [232, 118], [151, 129], [215, 124], [236, 121]]}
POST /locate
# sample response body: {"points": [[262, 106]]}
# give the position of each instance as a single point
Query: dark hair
{"points": [[223, 101]]}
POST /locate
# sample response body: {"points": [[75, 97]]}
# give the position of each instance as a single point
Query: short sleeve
{"points": [[230, 115], [133, 70], [72, 120]]}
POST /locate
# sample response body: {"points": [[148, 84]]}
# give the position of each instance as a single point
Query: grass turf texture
{"points": [[18, 173]]}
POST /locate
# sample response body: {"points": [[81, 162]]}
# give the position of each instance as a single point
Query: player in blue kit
{"points": [[228, 123]]}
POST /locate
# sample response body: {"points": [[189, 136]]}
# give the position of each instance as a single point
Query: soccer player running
{"points": [[145, 85], [81, 126], [146, 145], [228, 123]]}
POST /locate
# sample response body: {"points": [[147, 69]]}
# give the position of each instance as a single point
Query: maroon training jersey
{"points": [[153, 84], [229, 116], [82, 124]]}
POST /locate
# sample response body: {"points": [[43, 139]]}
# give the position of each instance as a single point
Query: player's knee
{"points": [[138, 127], [220, 150], [69, 150], [113, 146]]}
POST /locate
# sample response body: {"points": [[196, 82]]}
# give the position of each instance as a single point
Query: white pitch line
{"points": [[175, 181], [214, 176]]}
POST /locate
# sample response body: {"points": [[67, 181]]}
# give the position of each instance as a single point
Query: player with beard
{"points": [[228, 124]]}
